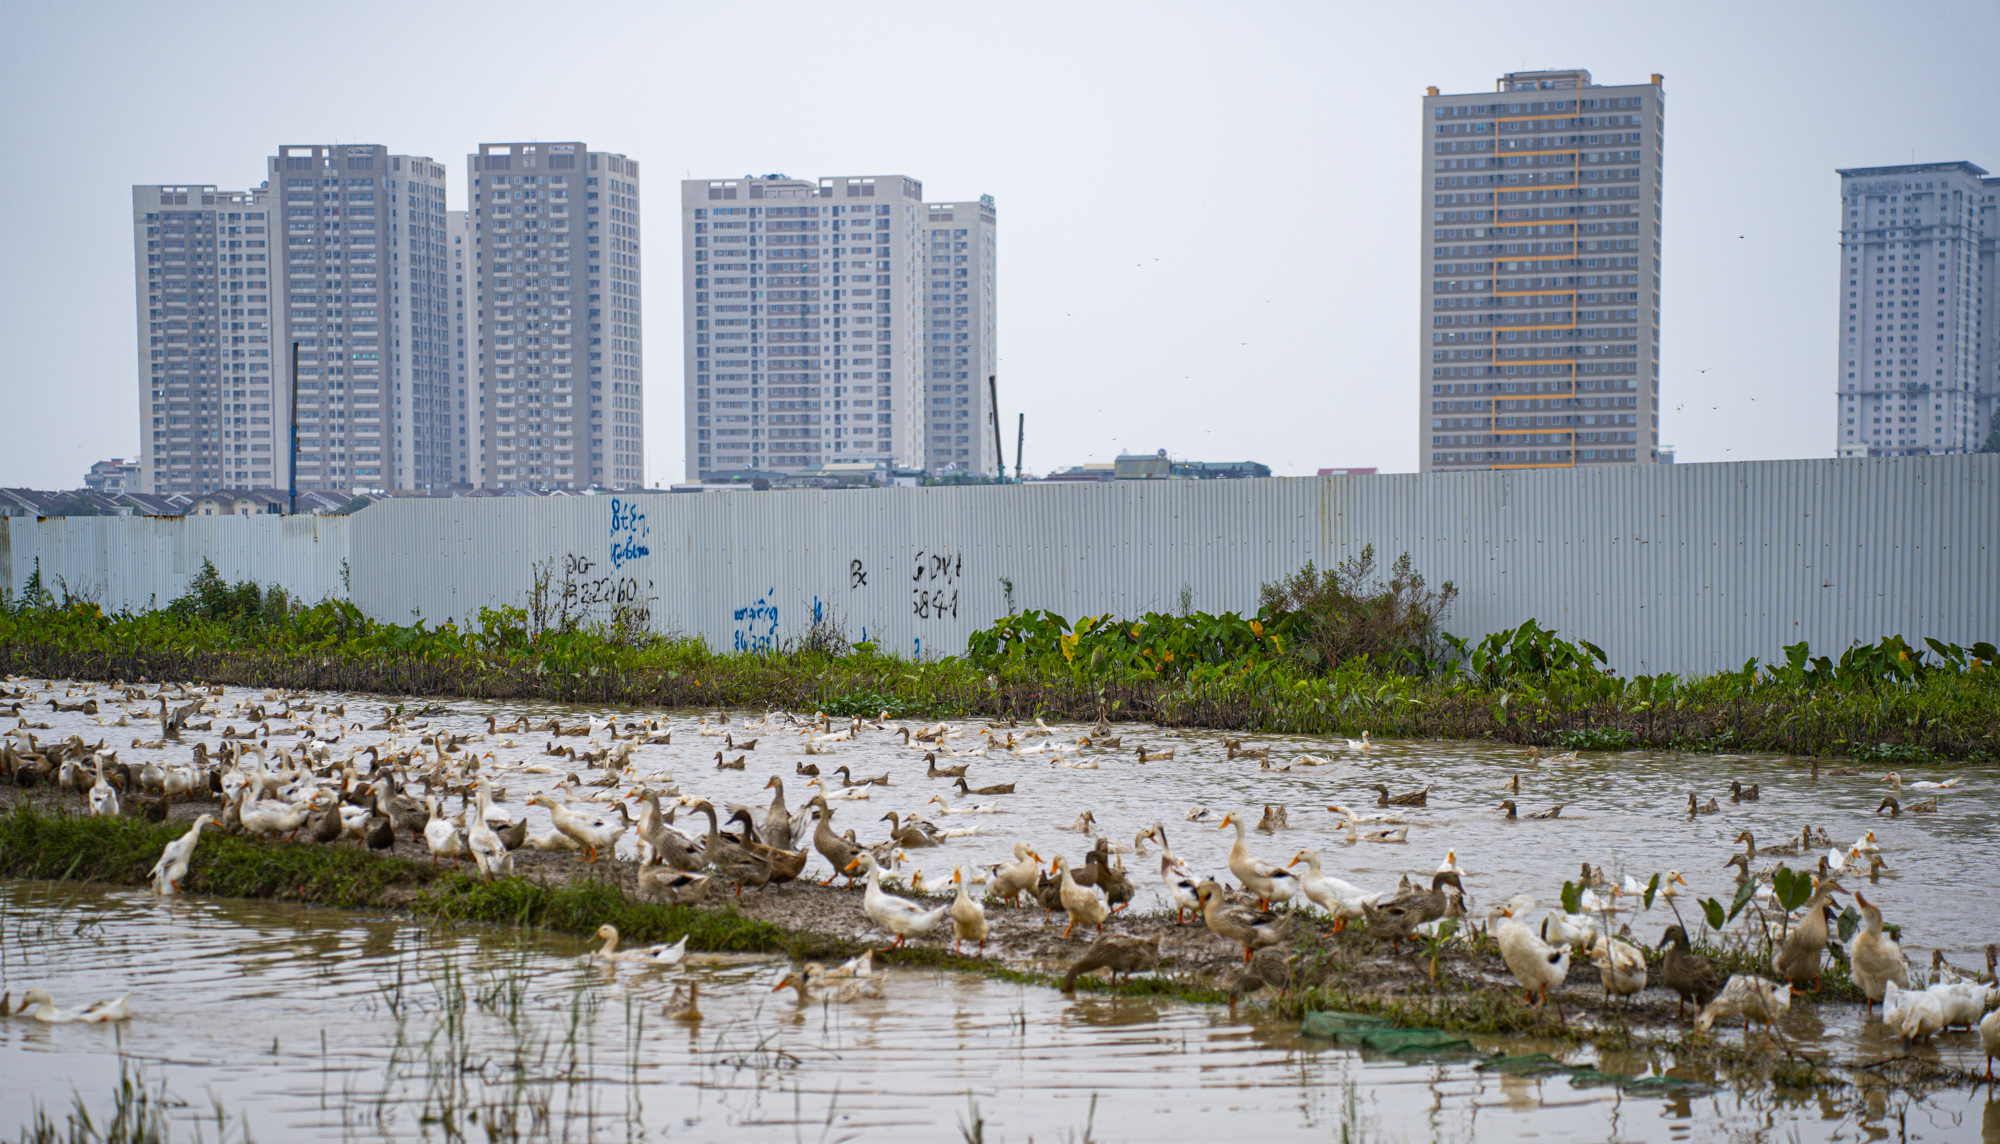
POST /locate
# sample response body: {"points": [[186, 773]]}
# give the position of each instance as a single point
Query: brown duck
{"points": [[735, 865], [1100, 871], [933, 771], [1514, 813], [998, 788], [831, 846], [1400, 916], [1689, 976], [786, 865], [1269, 968], [1122, 954], [1413, 798], [912, 832]]}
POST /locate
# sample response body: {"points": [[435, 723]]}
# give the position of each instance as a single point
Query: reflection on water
{"points": [[317, 1025]]}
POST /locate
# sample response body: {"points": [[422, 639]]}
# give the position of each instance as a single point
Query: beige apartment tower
{"points": [[1541, 274], [553, 290], [366, 302], [1919, 310]]}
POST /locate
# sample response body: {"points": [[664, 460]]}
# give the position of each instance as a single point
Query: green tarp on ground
{"points": [[1366, 1031], [1382, 1036]]}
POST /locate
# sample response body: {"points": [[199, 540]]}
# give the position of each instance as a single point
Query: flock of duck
{"points": [[295, 767]]}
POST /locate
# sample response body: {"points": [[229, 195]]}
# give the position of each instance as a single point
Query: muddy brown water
{"points": [[328, 1025]]}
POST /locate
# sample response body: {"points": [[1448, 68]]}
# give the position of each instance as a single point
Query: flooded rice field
{"points": [[313, 1025], [317, 1025]]}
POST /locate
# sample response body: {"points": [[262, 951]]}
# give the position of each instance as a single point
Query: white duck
{"points": [[1964, 1002], [97, 1013], [1874, 958], [1896, 782], [1989, 1039], [173, 864], [1570, 930], [1024, 873], [1082, 903], [1362, 744], [1538, 967], [658, 956], [946, 809], [1342, 899], [899, 916], [590, 834], [968, 917], [271, 817], [1914, 1015], [440, 835], [1622, 966], [1354, 818], [835, 794], [1181, 884], [1746, 999], [1271, 884], [489, 854], [103, 799]]}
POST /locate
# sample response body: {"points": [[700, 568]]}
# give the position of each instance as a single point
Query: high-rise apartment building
{"points": [[557, 350], [367, 301], [820, 317], [1919, 310], [959, 352], [1541, 273], [204, 283], [465, 423]]}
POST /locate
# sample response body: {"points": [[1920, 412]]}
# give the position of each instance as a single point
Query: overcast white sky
{"points": [[1210, 215]]}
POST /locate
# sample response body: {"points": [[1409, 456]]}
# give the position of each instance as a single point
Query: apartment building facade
{"points": [[1919, 310], [808, 311], [555, 337], [366, 302], [204, 281], [1541, 274], [959, 351], [466, 455]]}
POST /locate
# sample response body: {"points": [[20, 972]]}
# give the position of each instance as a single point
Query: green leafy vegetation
{"points": [[1326, 654]]}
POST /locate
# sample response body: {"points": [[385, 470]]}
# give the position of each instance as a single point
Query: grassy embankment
{"points": [[1328, 654], [1442, 985]]}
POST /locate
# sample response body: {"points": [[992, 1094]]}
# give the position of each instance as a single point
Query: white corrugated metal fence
{"points": [[1668, 568]]}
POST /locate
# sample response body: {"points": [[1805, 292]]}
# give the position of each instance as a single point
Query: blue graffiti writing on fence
{"points": [[628, 529], [757, 615]]}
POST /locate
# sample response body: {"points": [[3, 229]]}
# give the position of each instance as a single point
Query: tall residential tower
{"points": [[367, 300], [203, 289], [1541, 273], [1919, 310], [959, 349], [835, 320], [559, 380]]}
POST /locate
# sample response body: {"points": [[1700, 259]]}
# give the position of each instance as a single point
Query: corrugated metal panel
{"points": [[1669, 568], [129, 563]]}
